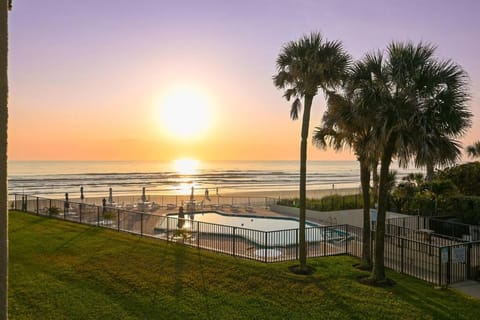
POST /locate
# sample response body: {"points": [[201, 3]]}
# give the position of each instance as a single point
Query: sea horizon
{"points": [[57, 177]]}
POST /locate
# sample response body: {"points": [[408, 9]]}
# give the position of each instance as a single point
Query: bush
{"points": [[328, 203], [465, 176], [466, 208], [53, 211], [108, 215]]}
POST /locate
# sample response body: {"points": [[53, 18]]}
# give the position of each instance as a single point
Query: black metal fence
{"points": [[441, 226], [266, 246], [440, 258], [410, 246]]}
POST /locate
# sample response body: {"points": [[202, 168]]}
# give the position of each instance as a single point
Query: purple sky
{"points": [[75, 64]]}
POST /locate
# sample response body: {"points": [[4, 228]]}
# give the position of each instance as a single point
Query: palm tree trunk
{"points": [[365, 181], [375, 179], [303, 182], [378, 272], [430, 171], [3, 161]]}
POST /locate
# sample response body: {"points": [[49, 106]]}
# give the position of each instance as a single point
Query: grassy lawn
{"points": [[62, 270]]}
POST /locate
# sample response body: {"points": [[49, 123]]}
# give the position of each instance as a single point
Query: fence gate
{"points": [[459, 262]]}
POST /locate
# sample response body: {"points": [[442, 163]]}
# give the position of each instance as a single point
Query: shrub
{"points": [[328, 203], [465, 176], [108, 215], [466, 208], [53, 211]]}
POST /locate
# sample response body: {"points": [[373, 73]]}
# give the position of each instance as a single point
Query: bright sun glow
{"points": [[185, 113], [186, 166]]}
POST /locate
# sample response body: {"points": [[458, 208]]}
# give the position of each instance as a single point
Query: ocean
{"points": [[55, 178]]}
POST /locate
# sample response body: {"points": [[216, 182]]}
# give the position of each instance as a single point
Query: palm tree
{"points": [[445, 84], [3, 159], [474, 150], [304, 66], [350, 120], [418, 94]]}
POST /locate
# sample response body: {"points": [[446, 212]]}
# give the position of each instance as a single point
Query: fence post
{"points": [[168, 227], [449, 265], [118, 220], [296, 244], [80, 208], [234, 236], [324, 241], [98, 216], [15, 202], [469, 246], [141, 224], [38, 211], [440, 266], [266, 245], [346, 238], [198, 234], [402, 256]]}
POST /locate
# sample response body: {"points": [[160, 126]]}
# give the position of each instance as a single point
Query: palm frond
{"points": [[473, 150], [295, 109]]}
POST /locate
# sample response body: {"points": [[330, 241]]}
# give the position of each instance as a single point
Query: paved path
{"points": [[469, 287]]}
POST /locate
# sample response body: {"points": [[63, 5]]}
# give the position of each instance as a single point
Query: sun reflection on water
{"points": [[186, 166]]}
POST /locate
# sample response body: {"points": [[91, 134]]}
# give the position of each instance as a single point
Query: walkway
{"points": [[469, 287]]}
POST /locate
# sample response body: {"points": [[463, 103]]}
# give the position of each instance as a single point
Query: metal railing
{"points": [[408, 250]]}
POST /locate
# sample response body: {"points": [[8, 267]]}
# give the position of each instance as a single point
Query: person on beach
{"points": [[104, 205], [206, 195]]}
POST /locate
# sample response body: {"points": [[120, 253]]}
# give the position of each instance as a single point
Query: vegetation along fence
{"points": [[410, 247]]}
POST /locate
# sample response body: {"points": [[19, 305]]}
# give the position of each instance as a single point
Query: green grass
{"points": [[62, 270]]}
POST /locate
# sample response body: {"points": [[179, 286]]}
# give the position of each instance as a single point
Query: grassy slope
{"points": [[61, 270]]}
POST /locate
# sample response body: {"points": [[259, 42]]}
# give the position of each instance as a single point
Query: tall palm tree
{"points": [[445, 87], [474, 150], [304, 66], [6, 5], [350, 120], [420, 95]]}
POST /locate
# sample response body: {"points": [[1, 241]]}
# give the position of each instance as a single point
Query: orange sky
{"points": [[88, 84]]}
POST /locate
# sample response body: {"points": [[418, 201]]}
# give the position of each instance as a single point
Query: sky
{"points": [[164, 80]]}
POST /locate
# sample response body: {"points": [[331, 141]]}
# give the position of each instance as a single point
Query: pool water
{"points": [[247, 222]]}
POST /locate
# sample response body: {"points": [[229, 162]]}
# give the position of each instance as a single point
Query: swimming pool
{"points": [[243, 221], [262, 231]]}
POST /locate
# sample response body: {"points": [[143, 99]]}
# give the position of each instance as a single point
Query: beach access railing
{"points": [[407, 250]]}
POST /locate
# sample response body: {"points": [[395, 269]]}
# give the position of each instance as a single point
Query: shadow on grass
{"points": [[309, 270], [25, 224], [367, 280]]}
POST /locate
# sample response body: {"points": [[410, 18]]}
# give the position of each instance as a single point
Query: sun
{"points": [[185, 113]]}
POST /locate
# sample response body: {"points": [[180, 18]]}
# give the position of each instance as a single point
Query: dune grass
{"points": [[62, 270]]}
